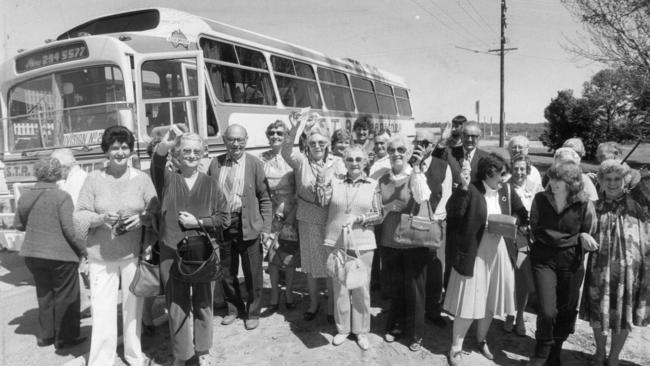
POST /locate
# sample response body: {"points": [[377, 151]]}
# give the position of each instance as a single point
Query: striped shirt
{"points": [[231, 181]]}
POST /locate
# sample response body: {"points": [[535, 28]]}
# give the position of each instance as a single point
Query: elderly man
{"points": [[241, 177], [519, 145], [468, 152], [440, 182]]}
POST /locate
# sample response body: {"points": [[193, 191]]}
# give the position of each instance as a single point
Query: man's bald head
{"points": [[236, 129], [235, 138]]}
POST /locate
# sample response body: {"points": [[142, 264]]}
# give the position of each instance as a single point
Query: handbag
{"points": [[348, 270], [502, 225], [419, 230], [197, 258], [146, 282]]}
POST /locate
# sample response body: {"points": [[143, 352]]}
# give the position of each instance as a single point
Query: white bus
{"points": [[156, 67]]}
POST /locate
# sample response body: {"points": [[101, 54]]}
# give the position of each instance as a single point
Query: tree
{"points": [[617, 32]]}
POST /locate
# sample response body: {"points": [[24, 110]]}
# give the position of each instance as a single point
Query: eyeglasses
{"points": [[318, 143], [357, 159], [239, 140], [275, 133], [190, 152], [472, 136], [392, 150]]}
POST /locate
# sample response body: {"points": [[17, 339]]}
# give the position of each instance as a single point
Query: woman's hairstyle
{"points": [[609, 150], [48, 169], [519, 138], [566, 154], [275, 125], [400, 140], [571, 173], [490, 165], [356, 147], [119, 134], [363, 122], [521, 157], [614, 166], [188, 136], [576, 144], [341, 135]]}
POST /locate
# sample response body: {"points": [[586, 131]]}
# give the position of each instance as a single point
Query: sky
{"points": [[427, 42]]}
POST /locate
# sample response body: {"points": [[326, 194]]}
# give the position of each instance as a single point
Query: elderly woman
{"points": [[52, 254], [354, 202], [402, 190], [189, 200], [316, 167], [617, 285], [568, 154], [562, 220], [519, 145], [340, 141], [113, 204], [521, 169], [482, 283], [283, 197]]}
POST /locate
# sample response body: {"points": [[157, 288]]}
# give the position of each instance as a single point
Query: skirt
{"points": [[313, 254], [491, 291]]}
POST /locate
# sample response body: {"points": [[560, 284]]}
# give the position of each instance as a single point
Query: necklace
{"points": [[348, 201]]}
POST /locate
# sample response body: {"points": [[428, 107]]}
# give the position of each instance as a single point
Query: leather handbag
{"points": [[197, 258], [419, 230], [502, 225], [146, 282], [348, 270]]}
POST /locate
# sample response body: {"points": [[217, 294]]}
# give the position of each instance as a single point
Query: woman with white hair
{"points": [[569, 154], [617, 283], [313, 168], [520, 145]]}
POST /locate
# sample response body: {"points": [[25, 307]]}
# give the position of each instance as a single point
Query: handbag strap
{"points": [[428, 204], [347, 238], [31, 207], [212, 240]]}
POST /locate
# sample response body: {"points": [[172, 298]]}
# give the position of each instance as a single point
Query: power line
{"points": [[479, 24], [457, 23], [480, 16], [434, 16]]}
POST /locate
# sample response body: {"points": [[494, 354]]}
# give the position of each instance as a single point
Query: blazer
{"points": [[257, 209], [466, 223], [457, 154]]}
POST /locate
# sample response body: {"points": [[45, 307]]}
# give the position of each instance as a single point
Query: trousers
{"points": [[352, 307]]}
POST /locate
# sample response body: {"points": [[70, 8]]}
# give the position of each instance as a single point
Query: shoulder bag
{"points": [[419, 230], [146, 282], [348, 270], [503, 225], [197, 258]]}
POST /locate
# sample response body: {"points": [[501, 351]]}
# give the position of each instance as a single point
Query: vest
{"points": [[435, 176]]}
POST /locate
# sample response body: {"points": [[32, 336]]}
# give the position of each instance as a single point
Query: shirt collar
{"points": [[362, 178], [489, 191], [235, 161]]}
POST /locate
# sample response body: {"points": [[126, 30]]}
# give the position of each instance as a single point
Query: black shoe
{"points": [[290, 305], [309, 316], [70, 343], [44, 342]]}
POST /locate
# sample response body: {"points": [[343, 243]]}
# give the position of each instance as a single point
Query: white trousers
{"points": [[105, 279]]}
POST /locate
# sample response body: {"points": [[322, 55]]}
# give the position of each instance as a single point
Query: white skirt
{"points": [[491, 291]]}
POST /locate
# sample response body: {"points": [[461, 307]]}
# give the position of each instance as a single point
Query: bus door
{"points": [[170, 89]]}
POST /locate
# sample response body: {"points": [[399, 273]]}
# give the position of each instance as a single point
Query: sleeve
{"points": [[293, 158], [375, 215], [263, 197], [67, 227], [419, 187], [590, 223], [447, 188], [85, 211], [20, 221], [534, 215], [220, 217], [458, 203], [518, 208], [159, 173]]}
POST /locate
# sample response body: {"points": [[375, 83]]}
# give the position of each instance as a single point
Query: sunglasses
{"points": [[190, 152], [317, 143], [392, 150], [275, 133], [358, 159]]}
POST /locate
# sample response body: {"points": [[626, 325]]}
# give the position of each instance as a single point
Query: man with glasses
{"points": [[241, 177], [468, 153]]}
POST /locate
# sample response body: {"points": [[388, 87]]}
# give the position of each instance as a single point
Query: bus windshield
{"points": [[68, 108]]}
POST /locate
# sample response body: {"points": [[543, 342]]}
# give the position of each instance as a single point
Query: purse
{"points": [[197, 258], [348, 270], [419, 230], [146, 282], [502, 225]]}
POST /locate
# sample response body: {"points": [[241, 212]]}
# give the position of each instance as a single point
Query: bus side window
{"points": [[212, 126]]}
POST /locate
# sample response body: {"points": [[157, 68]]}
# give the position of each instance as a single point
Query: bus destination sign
{"points": [[51, 56]]}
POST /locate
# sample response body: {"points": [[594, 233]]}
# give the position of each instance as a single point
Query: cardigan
{"points": [[49, 232], [257, 210], [467, 220]]}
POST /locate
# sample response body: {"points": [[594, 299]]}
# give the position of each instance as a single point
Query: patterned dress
{"points": [[617, 285]]}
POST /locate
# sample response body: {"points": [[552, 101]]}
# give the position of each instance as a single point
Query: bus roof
{"points": [[144, 24]]}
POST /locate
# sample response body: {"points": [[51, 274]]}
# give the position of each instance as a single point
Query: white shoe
{"points": [[339, 338], [363, 342], [205, 360]]}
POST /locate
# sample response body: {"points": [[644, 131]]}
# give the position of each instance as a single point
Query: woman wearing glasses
{"points": [[113, 204], [283, 196], [482, 280], [315, 167], [353, 202], [401, 188]]}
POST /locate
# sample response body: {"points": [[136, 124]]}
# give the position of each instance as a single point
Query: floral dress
{"points": [[617, 285]]}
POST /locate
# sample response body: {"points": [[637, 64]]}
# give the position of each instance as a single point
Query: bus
{"points": [[151, 68]]}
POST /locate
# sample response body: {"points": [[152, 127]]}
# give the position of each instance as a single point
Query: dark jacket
{"points": [[257, 210], [466, 223], [44, 212], [457, 154]]}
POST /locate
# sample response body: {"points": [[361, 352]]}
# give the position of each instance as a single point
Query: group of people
{"points": [[296, 208]]}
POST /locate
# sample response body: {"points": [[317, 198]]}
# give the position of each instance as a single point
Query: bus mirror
{"points": [[126, 119], [68, 88]]}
